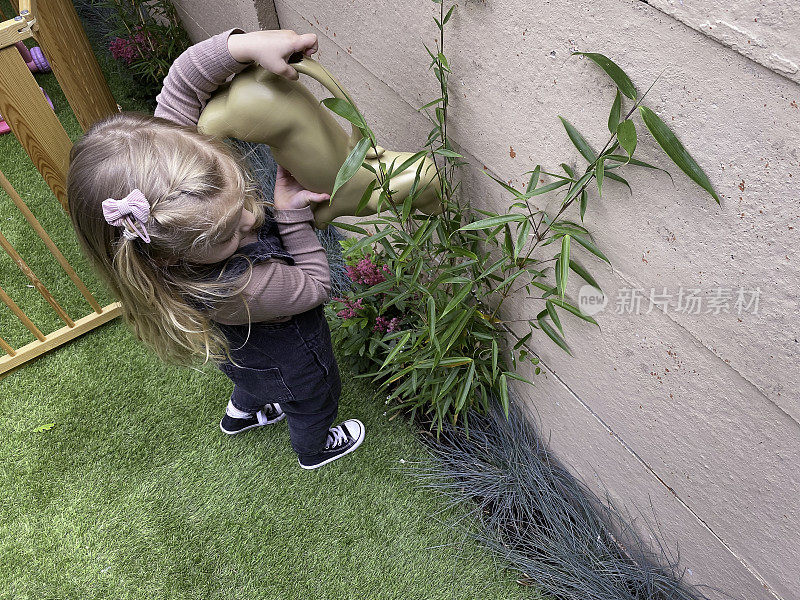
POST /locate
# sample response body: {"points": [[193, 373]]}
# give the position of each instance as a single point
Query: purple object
{"points": [[39, 60], [34, 58]]}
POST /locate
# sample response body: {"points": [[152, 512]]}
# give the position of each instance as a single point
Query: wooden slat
{"points": [[60, 34], [36, 126], [6, 347], [26, 212], [6, 299], [59, 337], [37, 283]]}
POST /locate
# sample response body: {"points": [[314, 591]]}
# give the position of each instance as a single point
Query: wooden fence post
{"points": [[60, 34]]}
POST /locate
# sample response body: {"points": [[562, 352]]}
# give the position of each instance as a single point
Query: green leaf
{"points": [[611, 68], [44, 427], [365, 197], [492, 222], [344, 109], [447, 16], [396, 350], [616, 177], [580, 142], [551, 310], [534, 180], [514, 191], [504, 393], [568, 170], [573, 309], [349, 227], [445, 152], [522, 237], [495, 355], [599, 172], [466, 388], [675, 150], [583, 273], [553, 335], [633, 161], [578, 186], [589, 245], [351, 164], [547, 188], [563, 264], [429, 104], [584, 202], [613, 117], [626, 134], [456, 300]]}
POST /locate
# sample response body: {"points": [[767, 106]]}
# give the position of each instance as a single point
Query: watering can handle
{"points": [[308, 66]]}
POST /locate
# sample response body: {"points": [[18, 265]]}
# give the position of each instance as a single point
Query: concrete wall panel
{"points": [[766, 32], [696, 412]]}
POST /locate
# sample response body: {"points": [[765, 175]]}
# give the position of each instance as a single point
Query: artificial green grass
{"points": [[135, 493]]}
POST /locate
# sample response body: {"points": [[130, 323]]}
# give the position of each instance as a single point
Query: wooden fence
{"points": [[56, 28]]}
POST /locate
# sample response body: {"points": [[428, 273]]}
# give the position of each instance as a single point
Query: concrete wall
{"points": [[692, 417]]}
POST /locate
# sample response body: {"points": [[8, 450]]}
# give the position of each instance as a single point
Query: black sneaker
{"points": [[268, 415], [342, 440]]}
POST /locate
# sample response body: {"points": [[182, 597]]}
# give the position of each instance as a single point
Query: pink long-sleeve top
{"points": [[276, 290]]}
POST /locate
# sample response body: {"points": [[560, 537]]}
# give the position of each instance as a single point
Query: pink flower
{"points": [[387, 325], [366, 272], [350, 307], [129, 49]]}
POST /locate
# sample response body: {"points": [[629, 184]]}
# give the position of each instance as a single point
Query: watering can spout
{"points": [[260, 106]]}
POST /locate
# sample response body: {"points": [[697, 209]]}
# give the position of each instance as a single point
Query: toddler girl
{"points": [[173, 222]]}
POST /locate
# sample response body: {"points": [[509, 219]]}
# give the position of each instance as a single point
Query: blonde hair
{"points": [[183, 174]]}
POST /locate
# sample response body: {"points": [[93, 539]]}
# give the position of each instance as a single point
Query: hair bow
{"points": [[119, 213]]}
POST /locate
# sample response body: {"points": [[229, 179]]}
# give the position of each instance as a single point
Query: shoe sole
{"points": [[345, 453], [243, 429]]}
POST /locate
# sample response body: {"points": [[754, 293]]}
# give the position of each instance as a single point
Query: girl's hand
{"points": [[272, 49], [289, 194]]}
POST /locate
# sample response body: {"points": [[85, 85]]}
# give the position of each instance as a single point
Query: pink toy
{"points": [[4, 128], [34, 58]]}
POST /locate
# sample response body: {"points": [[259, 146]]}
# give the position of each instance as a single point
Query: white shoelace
{"points": [[336, 437]]}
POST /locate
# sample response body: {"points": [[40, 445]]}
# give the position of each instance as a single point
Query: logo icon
{"points": [[591, 300]]}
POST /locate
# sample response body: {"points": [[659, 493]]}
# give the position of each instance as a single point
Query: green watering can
{"points": [[260, 106]]}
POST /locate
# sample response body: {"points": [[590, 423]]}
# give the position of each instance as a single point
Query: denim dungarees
{"points": [[291, 362]]}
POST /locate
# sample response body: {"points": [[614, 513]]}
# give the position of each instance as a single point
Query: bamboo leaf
{"points": [[396, 350], [589, 245], [551, 310], [534, 180], [563, 264], [675, 150], [553, 335], [613, 117], [578, 185], [522, 237], [466, 388], [580, 142], [456, 300], [616, 177], [349, 227], [514, 191], [583, 273], [626, 134], [344, 109], [584, 202], [633, 161], [365, 197], [574, 310], [351, 164], [611, 68], [492, 222], [599, 172]]}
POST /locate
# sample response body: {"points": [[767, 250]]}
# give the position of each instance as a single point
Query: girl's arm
{"points": [[194, 76], [205, 66], [276, 289]]}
